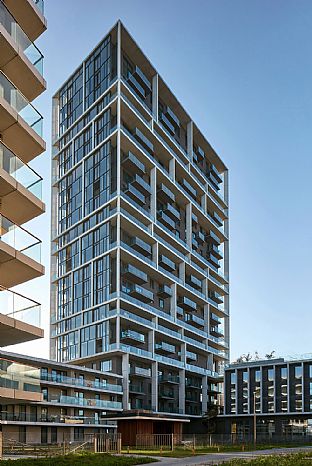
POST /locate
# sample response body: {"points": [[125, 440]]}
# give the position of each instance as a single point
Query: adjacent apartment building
{"points": [[139, 270], [277, 394], [21, 81]]}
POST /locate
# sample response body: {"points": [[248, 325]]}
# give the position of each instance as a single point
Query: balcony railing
{"points": [[19, 307], [53, 418], [20, 104], [73, 400], [18, 35], [40, 5], [20, 239], [20, 171], [65, 380]]}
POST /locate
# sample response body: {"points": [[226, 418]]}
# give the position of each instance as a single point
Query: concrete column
{"points": [[172, 169], [204, 394], [151, 341], [189, 136], [155, 96], [125, 380], [119, 26], [173, 301], [203, 202], [207, 317], [155, 385], [153, 192], [155, 253], [210, 362], [182, 391], [182, 271], [189, 225]]}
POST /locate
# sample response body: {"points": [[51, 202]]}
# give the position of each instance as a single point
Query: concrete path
{"points": [[220, 458]]}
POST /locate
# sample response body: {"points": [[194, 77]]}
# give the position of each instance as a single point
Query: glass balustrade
{"points": [[18, 35], [20, 239], [20, 171], [20, 104], [19, 307]]}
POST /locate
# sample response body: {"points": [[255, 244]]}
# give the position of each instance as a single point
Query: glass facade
{"points": [[123, 240]]}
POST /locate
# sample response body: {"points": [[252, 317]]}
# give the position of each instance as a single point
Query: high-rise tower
{"points": [[139, 234]]}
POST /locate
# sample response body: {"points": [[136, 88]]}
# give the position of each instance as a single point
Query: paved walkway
{"points": [[220, 458]]}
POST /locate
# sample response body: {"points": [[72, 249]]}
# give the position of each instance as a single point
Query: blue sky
{"points": [[243, 70]]}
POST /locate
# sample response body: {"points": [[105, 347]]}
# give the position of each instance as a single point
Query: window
{"points": [[271, 375], [298, 372], [95, 243], [68, 258], [44, 392], [44, 435], [257, 376], [233, 378], [70, 101], [53, 434], [82, 289], [83, 144], [101, 280], [245, 377], [284, 373], [97, 72], [98, 178], [102, 127], [70, 199], [106, 366]]}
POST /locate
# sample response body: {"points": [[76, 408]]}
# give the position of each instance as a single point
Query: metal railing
{"points": [[20, 104], [30, 50]]}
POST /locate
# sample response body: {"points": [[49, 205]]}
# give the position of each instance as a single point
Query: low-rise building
{"points": [[274, 393], [43, 401]]}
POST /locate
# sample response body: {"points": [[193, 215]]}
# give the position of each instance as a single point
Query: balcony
{"points": [[141, 246], [193, 383], [133, 164], [215, 296], [137, 389], [19, 318], [132, 335], [190, 356], [166, 394], [166, 122], [200, 236], [169, 378], [135, 275], [164, 291], [142, 294], [20, 122], [215, 331], [20, 188], [19, 382], [20, 254], [140, 371], [171, 116], [166, 263], [194, 320], [87, 402], [213, 249], [172, 212], [188, 188], [141, 185], [29, 15], [163, 347], [194, 282], [135, 195], [143, 140], [20, 59], [166, 220], [187, 304], [213, 238], [165, 194]]}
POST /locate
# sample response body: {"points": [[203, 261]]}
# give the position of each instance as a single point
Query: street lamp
{"points": [[254, 419]]}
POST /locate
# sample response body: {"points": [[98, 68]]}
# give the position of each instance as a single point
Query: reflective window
{"points": [[70, 101]]}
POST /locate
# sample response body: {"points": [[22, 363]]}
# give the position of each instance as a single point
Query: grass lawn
{"points": [[299, 459], [80, 460], [184, 453]]}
